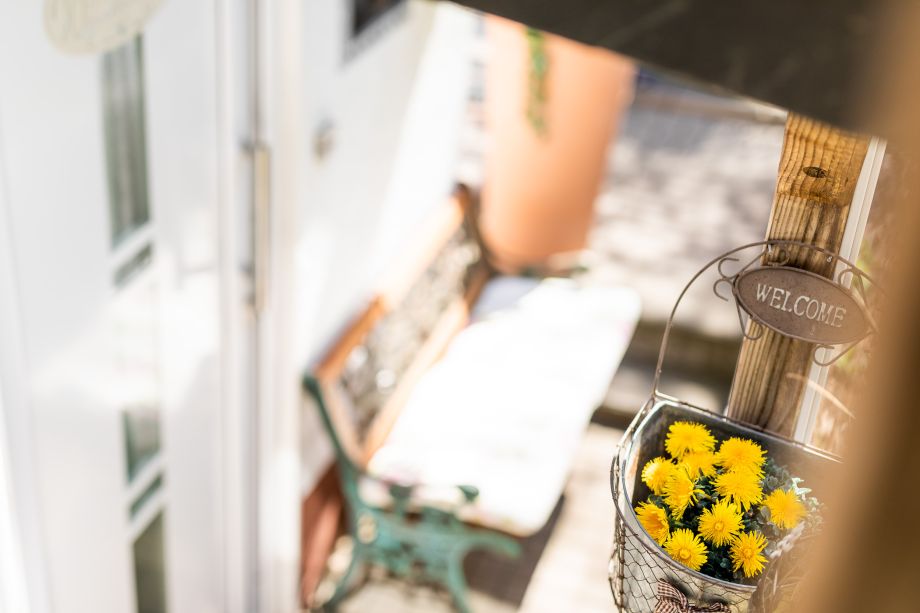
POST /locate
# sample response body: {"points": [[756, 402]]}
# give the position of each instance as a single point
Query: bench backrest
{"points": [[365, 378]]}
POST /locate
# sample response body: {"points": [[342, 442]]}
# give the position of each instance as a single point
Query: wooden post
{"points": [[818, 170]]}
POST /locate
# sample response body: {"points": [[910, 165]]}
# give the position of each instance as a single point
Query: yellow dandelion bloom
{"points": [[685, 437], [680, 491], [746, 553], [741, 486], [700, 463], [686, 548], [656, 473], [721, 523], [741, 453], [786, 510], [655, 521]]}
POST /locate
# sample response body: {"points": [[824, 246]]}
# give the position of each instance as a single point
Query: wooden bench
{"points": [[458, 398]]}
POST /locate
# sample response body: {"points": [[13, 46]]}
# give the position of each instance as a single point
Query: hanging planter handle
{"points": [[833, 312], [798, 304]]}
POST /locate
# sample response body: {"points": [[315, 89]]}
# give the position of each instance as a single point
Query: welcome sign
{"points": [[801, 304]]}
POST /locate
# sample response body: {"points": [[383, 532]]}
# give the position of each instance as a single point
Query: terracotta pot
{"points": [[540, 186]]}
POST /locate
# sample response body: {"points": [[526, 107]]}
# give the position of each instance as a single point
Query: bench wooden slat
{"points": [[435, 236]]}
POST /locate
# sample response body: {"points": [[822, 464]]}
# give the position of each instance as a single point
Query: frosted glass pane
{"points": [[149, 570], [125, 138]]}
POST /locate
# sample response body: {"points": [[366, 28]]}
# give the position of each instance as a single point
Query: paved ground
{"points": [[687, 180], [689, 177]]}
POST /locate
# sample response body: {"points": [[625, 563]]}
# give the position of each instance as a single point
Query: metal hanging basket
{"points": [[639, 569]]}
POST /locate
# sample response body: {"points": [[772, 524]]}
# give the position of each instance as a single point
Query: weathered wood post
{"points": [[818, 171]]}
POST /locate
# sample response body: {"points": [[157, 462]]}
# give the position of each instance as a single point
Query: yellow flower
{"points": [[685, 437], [680, 491], [786, 510], [721, 523], [686, 548], [655, 521], [741, 453], [746, 553], [741, 485], [700, 463], [656, 473]]}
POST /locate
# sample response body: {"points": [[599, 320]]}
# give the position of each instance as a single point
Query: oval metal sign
{"points": [[802, 305]]}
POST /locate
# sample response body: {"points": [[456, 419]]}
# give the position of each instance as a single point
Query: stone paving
{"points": [[683, 186], [690, 176]]}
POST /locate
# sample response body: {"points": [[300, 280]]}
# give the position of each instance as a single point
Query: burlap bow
{"points": [[672, 600]]}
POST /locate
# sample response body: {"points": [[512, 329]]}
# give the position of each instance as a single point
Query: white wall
{"points": [[396, 110]]}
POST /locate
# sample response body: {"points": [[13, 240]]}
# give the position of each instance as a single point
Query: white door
{"points": [[112, 326], [383, 88], [360, 100], [360, 62]]}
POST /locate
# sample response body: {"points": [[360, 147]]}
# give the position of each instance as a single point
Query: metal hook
{"points": [[715, 288], [744, 325], [721, 272], [834, 357]]}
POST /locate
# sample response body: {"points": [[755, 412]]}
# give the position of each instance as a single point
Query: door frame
{"points": [[258, 78], [276, 148]]}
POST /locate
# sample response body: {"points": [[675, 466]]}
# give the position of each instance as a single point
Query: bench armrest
{"points": [[470, 492]]}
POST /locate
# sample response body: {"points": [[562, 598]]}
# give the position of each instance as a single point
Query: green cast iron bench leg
{"points": [[431, 542], [444, 569]]}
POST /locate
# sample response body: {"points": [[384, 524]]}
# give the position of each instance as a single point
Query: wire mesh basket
{"points": [[638, 563], [639, 569]]}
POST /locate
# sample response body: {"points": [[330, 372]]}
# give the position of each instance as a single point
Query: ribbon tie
{"points": [[672, 600]]}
